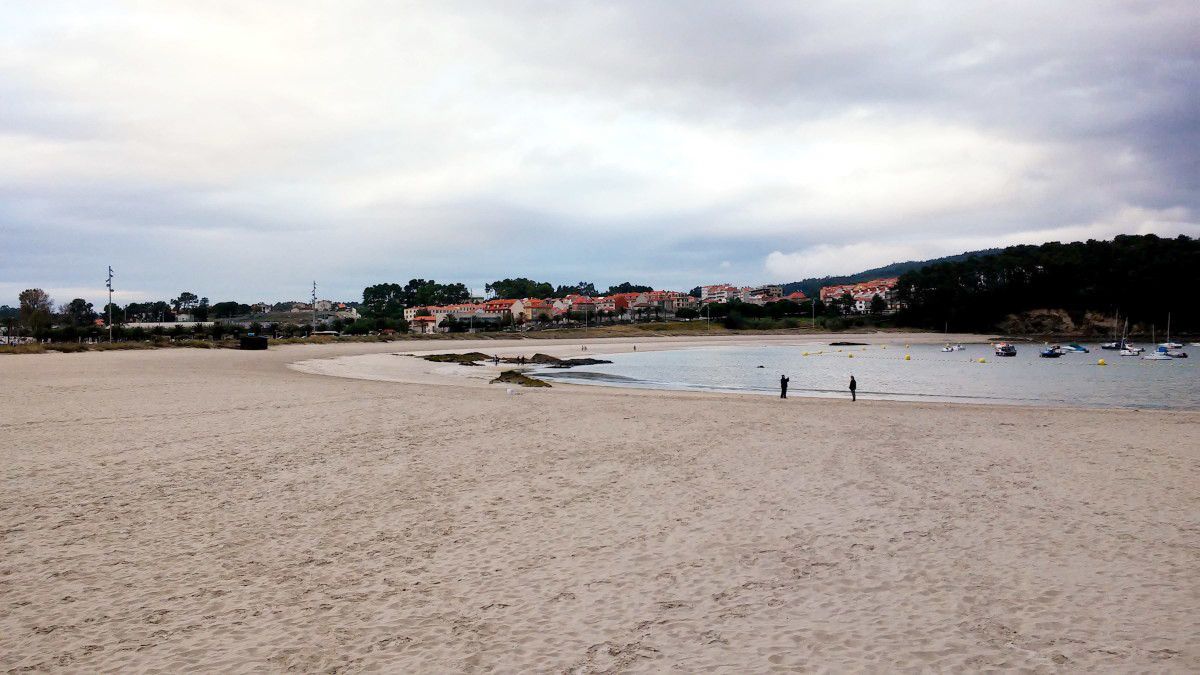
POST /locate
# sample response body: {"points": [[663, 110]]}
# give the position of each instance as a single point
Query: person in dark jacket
{"points": [[853, 389], [783, 383]]}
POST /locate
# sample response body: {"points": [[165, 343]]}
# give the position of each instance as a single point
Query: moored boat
{"points": [[1051, 352], [1005, 349], [1172, 353], [1163, 346], [1075, 348]]}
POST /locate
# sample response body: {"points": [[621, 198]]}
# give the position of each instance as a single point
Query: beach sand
{"points": [[219, 510]]}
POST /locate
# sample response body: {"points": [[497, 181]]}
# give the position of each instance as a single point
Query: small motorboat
{"points": [[1170, 345], [1156, 356], [1111, 346], [952, 348], [1172, 353], [1074, 348], [1005, 349], [1051, 353]]}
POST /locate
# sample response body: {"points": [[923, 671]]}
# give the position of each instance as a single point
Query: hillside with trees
{"points": [[812, 285], [1143, 277]]}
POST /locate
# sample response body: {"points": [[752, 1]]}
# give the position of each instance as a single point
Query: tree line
{"points": [[528, 288], [1143, 277]]}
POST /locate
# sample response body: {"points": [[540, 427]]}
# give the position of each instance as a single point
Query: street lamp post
{"points": [[110, 290]]}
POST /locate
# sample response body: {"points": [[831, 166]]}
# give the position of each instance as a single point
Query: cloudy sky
{"points": [[243, 149]]}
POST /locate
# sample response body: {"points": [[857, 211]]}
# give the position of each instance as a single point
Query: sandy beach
{"points": [[344, 508]]}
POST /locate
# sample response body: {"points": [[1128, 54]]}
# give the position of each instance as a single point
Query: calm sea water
{"points": [[882, 373]]}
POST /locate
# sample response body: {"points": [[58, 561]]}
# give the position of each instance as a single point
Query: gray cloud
{"points": [[240, 150]]}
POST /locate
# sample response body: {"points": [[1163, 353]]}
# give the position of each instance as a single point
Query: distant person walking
{"points": [[783, 383], [853, 389]]}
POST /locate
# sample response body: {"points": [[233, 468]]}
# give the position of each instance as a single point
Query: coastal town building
{"points": [[767, 292], [665, 303], [423, 324], [719, 293], [863, 294], [622, 306], [503, 306], [755, 295]]}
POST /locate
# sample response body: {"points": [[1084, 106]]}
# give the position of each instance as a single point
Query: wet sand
{"points": [[220, 510]]}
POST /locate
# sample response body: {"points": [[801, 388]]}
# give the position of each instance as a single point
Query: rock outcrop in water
{"points": [[571, 363]]}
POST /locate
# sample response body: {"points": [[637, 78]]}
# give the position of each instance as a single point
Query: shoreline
{"points": [[414, 370]]}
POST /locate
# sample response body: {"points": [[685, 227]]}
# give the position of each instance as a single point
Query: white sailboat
{"points": [[1159, 354], [1168, 344], [1126, 348]]}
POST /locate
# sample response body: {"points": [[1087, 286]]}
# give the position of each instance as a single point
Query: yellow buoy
{"points": [[1102, 362], [850, 355], [982, 360], [908, 357], [805, 353]]}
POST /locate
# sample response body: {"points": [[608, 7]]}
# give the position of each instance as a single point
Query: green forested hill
{"points": [[1144, 277], [812, 286]]}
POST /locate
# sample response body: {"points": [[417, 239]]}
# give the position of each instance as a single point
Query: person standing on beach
{"points": [[783, 383], [853, 389]]}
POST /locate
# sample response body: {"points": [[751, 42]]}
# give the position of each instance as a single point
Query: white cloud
{"points": [[827, 260], [64, 294], [833, 260], [245, 147]]}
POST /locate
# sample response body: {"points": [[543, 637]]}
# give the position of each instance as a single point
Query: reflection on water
{"points": [[930, 374]]}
